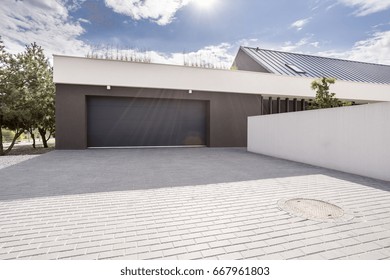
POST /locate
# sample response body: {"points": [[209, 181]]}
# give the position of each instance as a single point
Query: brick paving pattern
{"points": [[236, 220]]}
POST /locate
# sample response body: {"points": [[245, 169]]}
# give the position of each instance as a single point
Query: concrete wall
{"points": [[351, 139], [85, 71], [227, 116], [246, 63]]}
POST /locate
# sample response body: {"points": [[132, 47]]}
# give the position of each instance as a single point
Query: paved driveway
{"points": [[184, 204]]}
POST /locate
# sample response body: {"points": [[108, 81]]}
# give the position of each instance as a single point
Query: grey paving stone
{"points": [[114, 241], [236, 248], [271, 257], [171, 239], [311, 257], [213, 204], [218, 244], [190, 256], [332, 254], [312, 249], [230, 256], [137, 250], [384, 243], [213, 252], [99, 249], [373, 255], [161, 247], [52, 256], [175, 251], [223, 236], [30, 253], [240, 240], [55, 244], [16, 243], [71, 254], [198, 247], [276, 241], [293, 245], [9, 256], [311, 241], [24, 248], [273, 249], [151, 255], [292, 254], [91, 244], [253, 253], [259, 237], [148, 242], [182, 243], [125, 245], [86, 257], [205, 239]]}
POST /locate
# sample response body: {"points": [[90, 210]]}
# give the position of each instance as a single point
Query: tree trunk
{"points": [[32, 137], [1, 140], [17, 135], [42, 132], [1, 136]]}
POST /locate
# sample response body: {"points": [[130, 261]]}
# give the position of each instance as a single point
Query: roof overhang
{"points": [[99, 72]]}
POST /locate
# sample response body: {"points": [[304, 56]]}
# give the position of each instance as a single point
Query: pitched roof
{"points": [[294, 64]]}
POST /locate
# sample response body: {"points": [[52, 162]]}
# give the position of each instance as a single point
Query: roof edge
{"points": [[318, 56]]}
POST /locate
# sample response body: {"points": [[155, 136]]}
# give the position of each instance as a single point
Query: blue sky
{"points": [[209, 30]]}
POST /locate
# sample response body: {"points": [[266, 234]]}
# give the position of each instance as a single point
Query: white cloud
{"points": [[161, 13], [315, 44], [291, 47], [299, 24], [214, 56], [366, 7], [46, 22], [253, 42], [220, 56], [84, 20], [374, 49], [73, 5]]}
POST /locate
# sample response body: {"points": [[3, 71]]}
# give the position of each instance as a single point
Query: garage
{"points": [[126, 122]]}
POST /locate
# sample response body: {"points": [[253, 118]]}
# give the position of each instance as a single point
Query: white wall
{"points": [[351, 139], [86, 71]]}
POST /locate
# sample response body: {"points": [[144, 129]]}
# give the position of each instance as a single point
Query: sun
{"points": [[205, 4]]}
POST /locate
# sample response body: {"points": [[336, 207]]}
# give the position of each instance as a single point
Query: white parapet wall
{"points": [[352, 139], [101, 72]]}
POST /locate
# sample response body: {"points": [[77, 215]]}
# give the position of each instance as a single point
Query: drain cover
{"points": [[314, 209]]}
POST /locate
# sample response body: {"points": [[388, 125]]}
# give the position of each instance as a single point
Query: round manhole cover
{"points": [[314, 209]]}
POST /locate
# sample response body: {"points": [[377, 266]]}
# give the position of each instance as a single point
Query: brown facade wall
{"points": [[228, 112]]}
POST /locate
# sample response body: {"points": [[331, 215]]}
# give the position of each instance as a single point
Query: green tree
{"points": [[40, 89], [26, 94], [12, 114], [324, 98]]}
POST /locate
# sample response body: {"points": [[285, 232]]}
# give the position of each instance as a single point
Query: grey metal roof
{"points": [[279, 62]]}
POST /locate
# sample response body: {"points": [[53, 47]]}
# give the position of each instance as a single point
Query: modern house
{"points": [[109, 103]]}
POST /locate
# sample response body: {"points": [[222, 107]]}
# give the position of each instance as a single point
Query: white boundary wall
{"points": [[351, 139]]}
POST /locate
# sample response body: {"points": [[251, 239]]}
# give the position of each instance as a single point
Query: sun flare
{"points": [[205, 4]]}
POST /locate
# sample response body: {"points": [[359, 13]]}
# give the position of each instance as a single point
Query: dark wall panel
{"points": [[226, 113]]}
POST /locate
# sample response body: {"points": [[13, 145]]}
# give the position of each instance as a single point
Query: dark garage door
{"points": [[118, 122]]}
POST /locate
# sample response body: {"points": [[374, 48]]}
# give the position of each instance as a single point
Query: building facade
{"points": [[108, 103]]}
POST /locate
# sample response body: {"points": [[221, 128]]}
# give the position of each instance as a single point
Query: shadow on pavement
{"points": [[104, 170]]}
